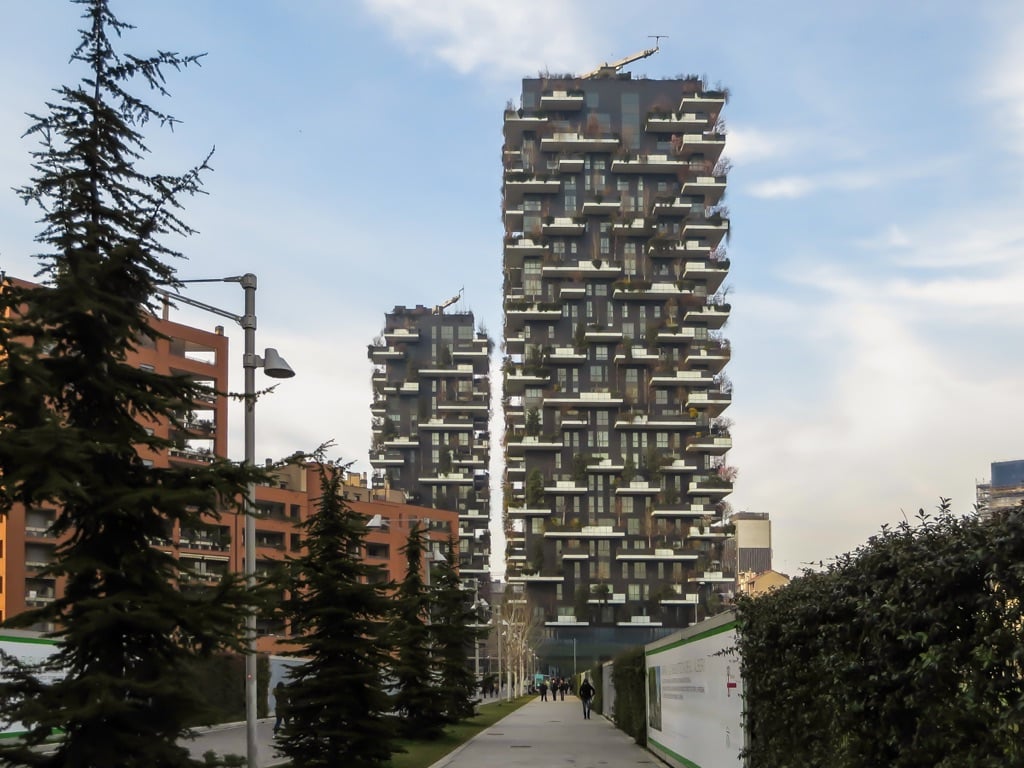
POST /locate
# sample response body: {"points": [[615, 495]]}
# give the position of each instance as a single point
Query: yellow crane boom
{"points": [[607, 70]]}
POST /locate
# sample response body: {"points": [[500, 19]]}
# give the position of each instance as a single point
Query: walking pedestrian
{"points": [[586, 696], [544, 691]]}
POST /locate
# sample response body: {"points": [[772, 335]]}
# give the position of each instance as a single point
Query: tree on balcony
{"points": [[71, 409], [533, 422], [535, 489]]}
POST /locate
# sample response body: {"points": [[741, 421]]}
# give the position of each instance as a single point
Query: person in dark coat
{"points": [[280, 706], [544, 691], [587, 697]]}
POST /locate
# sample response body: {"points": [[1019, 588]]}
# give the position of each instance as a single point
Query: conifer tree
{"points": [[71, 431], [337, 710], [454, 634], [418, 700]]}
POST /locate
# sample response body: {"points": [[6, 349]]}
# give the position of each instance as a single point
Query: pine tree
{"points": [[454, 634], [71, 432], [418, 701], [337, 710]]}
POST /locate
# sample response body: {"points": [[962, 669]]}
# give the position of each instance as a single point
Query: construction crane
{"points": [[607, 70], [440, 308]]}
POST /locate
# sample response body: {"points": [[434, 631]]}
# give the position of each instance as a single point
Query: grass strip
{"points": [[421, 754]]}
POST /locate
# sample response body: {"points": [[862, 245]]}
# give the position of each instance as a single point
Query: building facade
{"points": [[614, 388], [1004, 490], [431, 413]]}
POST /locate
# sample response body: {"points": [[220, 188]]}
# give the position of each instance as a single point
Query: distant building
{"points": [[430, 418], [761, 583], [750, 548], [1005, 489]]}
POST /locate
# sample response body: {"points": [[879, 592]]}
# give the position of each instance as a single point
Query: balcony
{"points": [[533, 443], [711, 577], [672, 207], [710, 315], [637, 227], [709, 356], [653, 164], [638, 488], [711, 187], [403, 443], [201, 455], [680, 598], [585, 532], [526, 309], [710, 486], [584, 400], [393, 459], [680, 467], [563, 225], [586, 269], [459, 370], [675, 123], [524, 246], [515, 120], [703, 533], [562, 100], [696, 378], [568, 164], [401, 336], [447, 478], [445, 425], [565, 488], [516, 187], [566, 621], [708, 142], [638, 290], [574, 142], [526, 512], [708, 271], [601, 207], [708, 444], [639, 621], [665, 247], [712, 403], [708, 101]]}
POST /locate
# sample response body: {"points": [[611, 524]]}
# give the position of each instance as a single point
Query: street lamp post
{"points": [[275, 367]]}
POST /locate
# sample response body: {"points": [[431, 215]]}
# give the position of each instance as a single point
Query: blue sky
{"points": [[876, 205]]}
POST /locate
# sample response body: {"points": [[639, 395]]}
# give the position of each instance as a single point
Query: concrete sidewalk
{"points": [[546, 734]]}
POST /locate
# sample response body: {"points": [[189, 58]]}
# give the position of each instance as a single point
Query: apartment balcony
{"points": [[584, 532], [711, 187], [387, 459], [536, 578], [711, 577], [403, 443], [710, 315], [447, 478], [680, 598], [708, 271], [475, 517], [562, 100], [566, 621], [706, 534], [460, 370], [583, 400], [709, 230], [37, 598], [660, 422], [575, 142], [710, 102], [529, 443], [527, 309], [676, 335], [653, 164], [666, 247], [568, 164], [519, 122], [683, 378], [563, 225], [640, 290], [515, 188], [602, 335], [517, 381], [586, 269], [636, 227], [383, 354], [446, 425], [605, 466], [639, 621], [565, 488], [601, 207], [191, 455], [528, 512], [712, 403], [573, 423], [710, 486], [524, 246], [710, 356], [638, 488], [680, 467], [404, 388], [708, 142], [566, 356], [681, 511], [515, 466], [671, 208], [636, 356], [568, 291], [675, 123], [514, 219], [610, 598], [402, 336], [573, 554]]}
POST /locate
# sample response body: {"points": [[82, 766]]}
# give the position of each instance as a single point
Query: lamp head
{"points": [[275, 366]]}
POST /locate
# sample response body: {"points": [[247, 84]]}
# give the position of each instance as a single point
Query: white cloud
{"points": [[750, 145], [1004, 79], [495, 39], [786, 188]]}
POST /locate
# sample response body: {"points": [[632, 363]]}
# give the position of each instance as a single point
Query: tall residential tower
{"points": [[431, 408], [613, 377]]}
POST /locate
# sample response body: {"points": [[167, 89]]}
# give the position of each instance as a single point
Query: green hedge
{"points": [[630, 680], [906, 652]]}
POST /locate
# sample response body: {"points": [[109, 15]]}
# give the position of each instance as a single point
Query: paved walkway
{"points": [[545, 734]]}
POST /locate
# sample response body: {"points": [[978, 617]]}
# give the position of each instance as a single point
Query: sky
{"points": [[876, 205]]}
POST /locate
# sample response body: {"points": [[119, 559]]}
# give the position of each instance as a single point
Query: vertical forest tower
{"points": [[614, 388]]}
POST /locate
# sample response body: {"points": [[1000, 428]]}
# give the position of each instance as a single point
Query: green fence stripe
{"points": [[35, 640], [674, 755], [695, 638]]}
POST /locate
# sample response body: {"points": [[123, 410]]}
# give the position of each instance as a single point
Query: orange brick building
{"points": [[212, 550]]}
